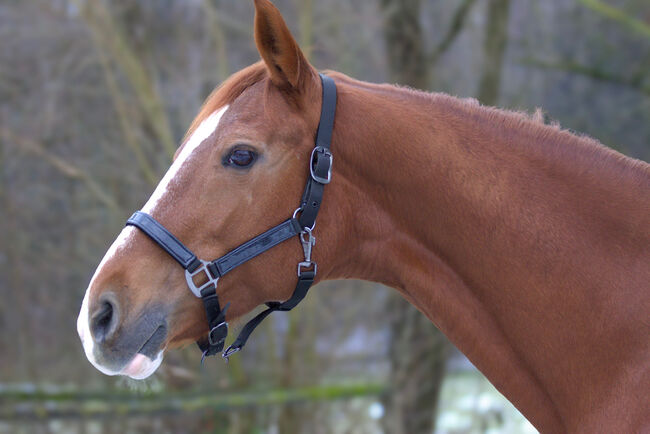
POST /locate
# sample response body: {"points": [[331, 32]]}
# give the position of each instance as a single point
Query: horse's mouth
{"points": [[147, 359]]}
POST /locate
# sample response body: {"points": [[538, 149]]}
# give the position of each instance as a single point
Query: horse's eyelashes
{"points": [[241, 158]]}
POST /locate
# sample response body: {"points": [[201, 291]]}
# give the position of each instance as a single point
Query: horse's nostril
{"points": [[104, 320]]}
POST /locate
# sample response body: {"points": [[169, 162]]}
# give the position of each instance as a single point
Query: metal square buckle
{"points": [[324, 153], [203, 268], [217, 336]]}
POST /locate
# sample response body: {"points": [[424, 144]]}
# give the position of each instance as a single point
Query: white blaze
{"points": [[141, 366], [204, 130]]}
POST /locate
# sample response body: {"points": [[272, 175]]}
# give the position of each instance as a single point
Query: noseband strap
{"points": [[301, 224], [165, 239]]}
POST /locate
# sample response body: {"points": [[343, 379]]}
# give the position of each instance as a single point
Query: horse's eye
{"points": [[241, 157]]}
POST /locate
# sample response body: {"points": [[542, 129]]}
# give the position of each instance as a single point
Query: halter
{"points": [[301, 224]]}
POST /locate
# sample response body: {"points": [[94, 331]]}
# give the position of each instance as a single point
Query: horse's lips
{"points": [[146, 361], [141, 366], [136, 365]]}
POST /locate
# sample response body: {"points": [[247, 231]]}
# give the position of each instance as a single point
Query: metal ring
{"points": [[295, 213], [306, 229]]}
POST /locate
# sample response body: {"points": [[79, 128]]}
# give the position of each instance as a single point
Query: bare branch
{"points": [[457, 24], [123, 118], [591, 72], [496, 38], [212, 17], [64, 167], [109, 37], [619, 16]]}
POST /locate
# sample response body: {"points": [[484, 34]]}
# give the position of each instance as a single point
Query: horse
{"points": [[527, 245]]}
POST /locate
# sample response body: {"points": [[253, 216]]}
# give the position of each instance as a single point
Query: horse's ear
{"points": [[287, 65]]}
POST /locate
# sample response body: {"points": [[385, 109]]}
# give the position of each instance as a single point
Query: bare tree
{"points": [[496, 38], [405, 49], [417, 350]]}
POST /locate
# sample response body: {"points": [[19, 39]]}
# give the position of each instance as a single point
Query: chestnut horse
{"points": [[528, 246]]}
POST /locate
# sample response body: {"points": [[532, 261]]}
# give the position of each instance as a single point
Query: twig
{"points": [[38, 404], [218, 37], [591, 72], [619, 16], [123, 118], [457, 23], [109, 36], [65, 168]]}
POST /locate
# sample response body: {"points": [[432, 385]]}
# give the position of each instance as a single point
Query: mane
{"points": [[228, 91], [552, 139]]}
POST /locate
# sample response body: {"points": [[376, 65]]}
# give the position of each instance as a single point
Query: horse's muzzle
{"points": [[117, 345]]}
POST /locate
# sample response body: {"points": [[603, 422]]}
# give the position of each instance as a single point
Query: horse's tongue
{"points": [[135, 366]]}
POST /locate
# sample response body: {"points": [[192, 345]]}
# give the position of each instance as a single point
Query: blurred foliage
{"points": [[95, 95]]}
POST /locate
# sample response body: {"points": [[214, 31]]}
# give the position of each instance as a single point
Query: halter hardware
{"points": [[321, 161], [209, 281], [307, 245], [218, 333], [320, 170]]}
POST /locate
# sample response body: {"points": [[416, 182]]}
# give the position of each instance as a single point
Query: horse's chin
{"points": [[141, 366]]}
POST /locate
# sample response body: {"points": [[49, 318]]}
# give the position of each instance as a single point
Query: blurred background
{"points": [[95, 95]]}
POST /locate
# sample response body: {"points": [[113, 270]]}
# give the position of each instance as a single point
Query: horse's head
{"points": [[240, 171]]}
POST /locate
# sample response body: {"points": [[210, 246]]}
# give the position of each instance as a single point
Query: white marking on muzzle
{"points": [[83, 320], [207, 127]]}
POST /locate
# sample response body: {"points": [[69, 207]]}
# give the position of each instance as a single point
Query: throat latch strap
{"points": [[305, 281]]}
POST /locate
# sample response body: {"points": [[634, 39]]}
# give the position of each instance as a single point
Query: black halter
{"points": [[300, 224]]}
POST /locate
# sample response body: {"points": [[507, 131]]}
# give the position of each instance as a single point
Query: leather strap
{"points": [[305, 281], [321, 161], [164, 239], [217, 325], [256, 246], [327, 113]]}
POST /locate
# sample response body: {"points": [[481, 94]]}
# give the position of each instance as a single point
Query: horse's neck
{"points": [[526, 245]]}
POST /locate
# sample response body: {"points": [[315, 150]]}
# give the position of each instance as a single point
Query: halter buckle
{"points": [[322, 152], [217, 335], [203, 268]]}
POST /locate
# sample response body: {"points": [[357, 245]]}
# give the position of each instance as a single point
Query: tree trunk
{"points": [[417, 350], [418, 353], [496, 37], [407, 58]]}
